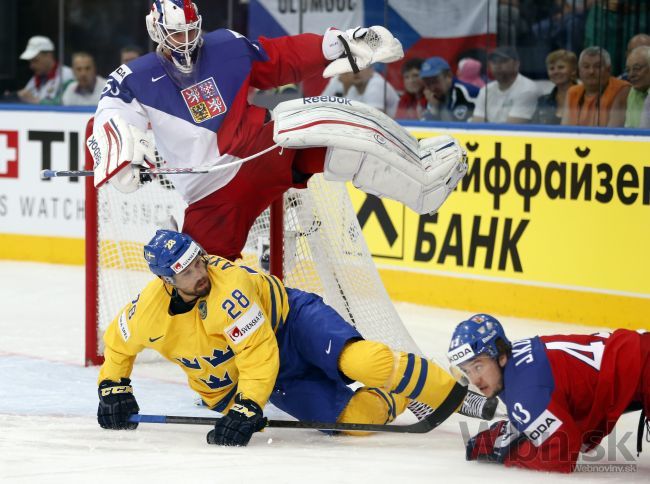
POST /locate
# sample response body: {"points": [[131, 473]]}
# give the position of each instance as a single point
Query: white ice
{"points": [[49, 432]]}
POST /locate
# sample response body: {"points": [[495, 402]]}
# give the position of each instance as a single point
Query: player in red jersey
{"points": [[563, 393]]}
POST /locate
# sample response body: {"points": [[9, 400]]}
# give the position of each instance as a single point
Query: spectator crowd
{"points": [[53, 83], [580, 88]]}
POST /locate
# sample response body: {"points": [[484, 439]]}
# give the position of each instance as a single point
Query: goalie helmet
{"points": [[176, 26], [477, 335], [170, 252]]}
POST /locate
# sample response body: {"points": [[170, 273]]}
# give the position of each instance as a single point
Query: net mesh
{"points": [[324, 252]]}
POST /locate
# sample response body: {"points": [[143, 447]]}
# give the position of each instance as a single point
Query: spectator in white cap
{"points": [[49, 79]]}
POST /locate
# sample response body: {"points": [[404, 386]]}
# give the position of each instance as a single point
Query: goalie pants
{"points": [[221, 221]]}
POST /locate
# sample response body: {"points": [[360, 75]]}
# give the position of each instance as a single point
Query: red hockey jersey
{"points": [[566, 392]]}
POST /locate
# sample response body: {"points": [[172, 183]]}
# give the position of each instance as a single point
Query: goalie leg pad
{"points": [[341, 164], [372, 175], [372, 151], [377, 177]]}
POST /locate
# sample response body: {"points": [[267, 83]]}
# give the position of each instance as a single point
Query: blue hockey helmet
{"points": [[170, 252], [477, 335], [176, 26]]}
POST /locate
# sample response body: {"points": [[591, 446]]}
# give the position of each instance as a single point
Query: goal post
{"points": [[92, 354]]}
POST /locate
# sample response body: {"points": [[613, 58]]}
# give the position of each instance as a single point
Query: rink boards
{"points": [[547, 224]]}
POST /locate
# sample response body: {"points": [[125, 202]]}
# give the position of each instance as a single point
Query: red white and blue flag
{"points": [[426, 28]]}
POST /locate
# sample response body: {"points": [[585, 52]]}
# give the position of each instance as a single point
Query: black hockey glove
{"points": [[116, 404], [239, 424]]}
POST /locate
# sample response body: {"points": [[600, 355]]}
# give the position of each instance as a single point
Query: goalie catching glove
{"points": [[356, 49], [240, 423], [116, 404], [120, 151]]}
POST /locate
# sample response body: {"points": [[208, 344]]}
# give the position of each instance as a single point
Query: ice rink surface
{"points": [[49, 432]]}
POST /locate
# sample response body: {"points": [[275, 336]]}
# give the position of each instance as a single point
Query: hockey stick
{"points": [[439, 415], [197, 170]]}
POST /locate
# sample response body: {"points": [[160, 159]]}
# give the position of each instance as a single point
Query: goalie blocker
{"points": [[120, 150], [372, 151]]}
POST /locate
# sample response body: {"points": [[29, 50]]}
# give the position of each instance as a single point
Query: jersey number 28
{"points": [[232, 308]]}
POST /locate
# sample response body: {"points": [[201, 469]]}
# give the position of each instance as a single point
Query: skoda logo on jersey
{"points": [[543, 427], [460, 354], [203, 310], [204, 100]]}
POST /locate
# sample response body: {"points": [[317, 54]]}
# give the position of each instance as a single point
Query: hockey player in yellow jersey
{"points": [[243, 339]]}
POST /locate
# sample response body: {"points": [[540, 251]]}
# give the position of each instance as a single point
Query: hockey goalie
{"points": [[192, 93]]}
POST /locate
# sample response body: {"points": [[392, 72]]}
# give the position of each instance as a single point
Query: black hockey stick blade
{"points": [[449, 406]]}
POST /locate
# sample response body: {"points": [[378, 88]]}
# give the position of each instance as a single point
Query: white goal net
{"points": [[322, 251]]}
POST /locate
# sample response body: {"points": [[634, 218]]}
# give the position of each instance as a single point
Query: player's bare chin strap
{"points": [[402, 376]]}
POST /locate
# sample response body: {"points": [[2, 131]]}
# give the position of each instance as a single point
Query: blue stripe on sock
{"points": [[391, 407], [407, 374], [424, 368]]}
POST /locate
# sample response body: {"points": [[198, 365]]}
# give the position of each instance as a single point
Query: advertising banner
{"points": [[42, 219], [546, 210], [545, 224], [31, 141]]}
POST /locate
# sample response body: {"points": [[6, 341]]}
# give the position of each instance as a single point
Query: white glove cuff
{"points": [[332, 46]]}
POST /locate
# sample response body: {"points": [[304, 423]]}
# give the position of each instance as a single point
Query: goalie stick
{"points": [[197, 170], [430, 422]]}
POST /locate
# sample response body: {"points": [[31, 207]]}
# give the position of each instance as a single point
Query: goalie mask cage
{"points": [[311, 239]]}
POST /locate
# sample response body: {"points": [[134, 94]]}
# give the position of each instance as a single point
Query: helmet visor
{"points": [[181, 38]]}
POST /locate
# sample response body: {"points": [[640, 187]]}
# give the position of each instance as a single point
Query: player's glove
{"points": [[237, 427], [356, 49], [493, 444], [116, 404]]}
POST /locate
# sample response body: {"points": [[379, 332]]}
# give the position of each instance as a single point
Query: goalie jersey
{"points": [[225, 344], [205, 119], [566, 392]]}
